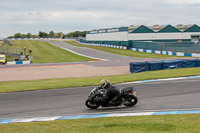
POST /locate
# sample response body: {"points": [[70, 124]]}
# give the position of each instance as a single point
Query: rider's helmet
{"points": [[104, 83]]}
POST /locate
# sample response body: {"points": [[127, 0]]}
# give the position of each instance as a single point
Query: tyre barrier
{"points": [[136, 67], [18, 62], [29, 61]]}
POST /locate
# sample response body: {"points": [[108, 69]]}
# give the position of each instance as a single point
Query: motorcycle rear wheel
{"points": [[131, 100], [91, 104]]}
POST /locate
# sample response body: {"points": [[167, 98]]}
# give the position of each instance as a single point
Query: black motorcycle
{"points": [[127, 98]]}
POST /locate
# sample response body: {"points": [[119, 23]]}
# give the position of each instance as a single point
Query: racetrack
{"points": [[93, 52], [163, 95], [115, 65]]}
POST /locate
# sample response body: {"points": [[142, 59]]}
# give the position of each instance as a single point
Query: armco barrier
{"points": [[163, 65], [145, 50], [166, 52], [103, 45]]}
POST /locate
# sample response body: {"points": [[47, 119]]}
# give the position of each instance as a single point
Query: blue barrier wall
{"points": [[139, 67], [189, 63], [173, 64], [163, 65], [198, 63], [155, 65]]}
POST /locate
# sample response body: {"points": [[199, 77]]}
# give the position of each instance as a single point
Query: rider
{"points": [[112, 93]]}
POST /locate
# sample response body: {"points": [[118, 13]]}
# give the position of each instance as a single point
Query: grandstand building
{"points": [[147, 37], [155, 33]]}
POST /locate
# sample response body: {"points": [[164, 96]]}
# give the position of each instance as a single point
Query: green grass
{"points": [[9, 58], [123, 52], [4, 44], [188, 123], [13, 86], [43, 52]]}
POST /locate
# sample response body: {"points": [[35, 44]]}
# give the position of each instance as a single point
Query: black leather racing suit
{"points": [[112, 95]]}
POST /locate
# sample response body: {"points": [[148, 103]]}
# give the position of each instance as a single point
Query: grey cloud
{"points": [[69, 15]]}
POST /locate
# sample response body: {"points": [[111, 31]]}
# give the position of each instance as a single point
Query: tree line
{"points": [[51, 34]]}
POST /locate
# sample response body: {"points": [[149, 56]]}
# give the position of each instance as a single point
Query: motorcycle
{"points": [[127, 98]]}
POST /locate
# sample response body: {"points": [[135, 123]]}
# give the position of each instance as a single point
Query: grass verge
{"points": [[187, 123], [13, 86], [123, 52], [43, 52], [9, 58]]}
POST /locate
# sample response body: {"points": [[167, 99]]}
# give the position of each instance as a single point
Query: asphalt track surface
{"points": [[113, 59], [153, 96], [115, 65], [93, 52]]}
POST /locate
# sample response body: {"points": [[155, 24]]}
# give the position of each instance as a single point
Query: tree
{"points": [[70, 34], [41, 34], [56, 35], [23, 36], [51, 34], [76, 34], [11, 37], [83, 34], [59, 34], [18, 35], [34, 36], [28, 35], [46, 34]]}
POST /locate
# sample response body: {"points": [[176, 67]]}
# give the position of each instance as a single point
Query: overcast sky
{"points": [[32, 16]]}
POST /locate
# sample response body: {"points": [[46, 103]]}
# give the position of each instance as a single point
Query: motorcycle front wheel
{"points": [[91, 105], [130, 100]]}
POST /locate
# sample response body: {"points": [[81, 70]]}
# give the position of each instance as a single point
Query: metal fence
{"points": [[11, 50], [7, 42], [188, 47]]}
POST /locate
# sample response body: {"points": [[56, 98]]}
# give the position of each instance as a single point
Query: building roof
{"points": [[156, 28], [183, 27], [193, 28], [141, 29], [133, 27], [151, 29], [168, 29]]}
